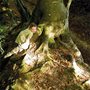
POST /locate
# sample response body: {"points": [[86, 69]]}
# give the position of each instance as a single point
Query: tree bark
{"points": [[53, 16]]}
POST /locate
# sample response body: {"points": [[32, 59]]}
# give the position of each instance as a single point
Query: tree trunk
{"points": [[52, 16]]}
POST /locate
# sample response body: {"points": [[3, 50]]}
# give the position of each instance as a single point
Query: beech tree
{"points": [[53, 41]]}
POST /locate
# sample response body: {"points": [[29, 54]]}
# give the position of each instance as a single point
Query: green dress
{"points": [[23, 35]]}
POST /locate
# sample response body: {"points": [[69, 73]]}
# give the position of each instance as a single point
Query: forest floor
{"points": [[56, 74]]}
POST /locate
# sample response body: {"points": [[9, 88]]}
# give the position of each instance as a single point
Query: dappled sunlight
{"points": [[18, 49], [78, 70], [41, 57], [81, 73], [24, 45], [78, 53], [48, 30], [87, 82], [51, 35], [29, 60]]}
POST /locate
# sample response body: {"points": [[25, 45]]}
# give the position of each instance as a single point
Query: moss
{"points": [[51, 40], [65, 37], [22, 85], [46, 66], [52, 11]]}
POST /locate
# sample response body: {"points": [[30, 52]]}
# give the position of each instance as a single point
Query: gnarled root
{"points": [[44, 49]]}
